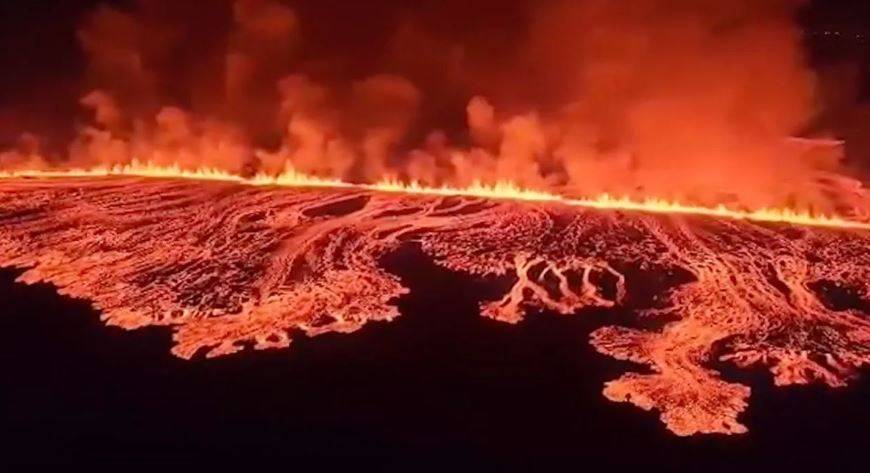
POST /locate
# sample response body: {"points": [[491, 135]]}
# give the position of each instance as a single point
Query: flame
{"points": [[502, 190]]}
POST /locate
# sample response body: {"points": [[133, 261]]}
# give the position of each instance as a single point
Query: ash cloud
{"points": [[689, 99]]}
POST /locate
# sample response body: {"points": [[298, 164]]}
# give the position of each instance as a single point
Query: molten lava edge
{"points": [[230, 264]]}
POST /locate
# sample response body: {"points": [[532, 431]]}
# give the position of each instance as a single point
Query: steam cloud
{"points": [[689, 99]]}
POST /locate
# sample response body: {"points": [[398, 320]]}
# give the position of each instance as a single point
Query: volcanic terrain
{"points": [[228, 266]]}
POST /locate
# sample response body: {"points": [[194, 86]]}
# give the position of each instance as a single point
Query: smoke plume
{"points": [[688, 99]]}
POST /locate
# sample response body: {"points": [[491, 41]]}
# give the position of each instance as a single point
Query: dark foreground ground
{"points": [[439, 387]]}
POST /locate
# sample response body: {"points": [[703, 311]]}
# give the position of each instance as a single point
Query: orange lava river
{"points": [[238, 263]]}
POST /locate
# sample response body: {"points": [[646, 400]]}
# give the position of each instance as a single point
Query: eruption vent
{"points": [[226, 265]]}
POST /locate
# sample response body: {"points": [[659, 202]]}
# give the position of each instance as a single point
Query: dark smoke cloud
{"points": [[692, 99]]}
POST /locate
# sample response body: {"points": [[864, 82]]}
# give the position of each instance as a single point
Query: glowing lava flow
{"points": [[500, 190], [236, 263]]}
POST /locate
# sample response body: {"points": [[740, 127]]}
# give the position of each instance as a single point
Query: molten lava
{"points": [[238, 262], [695, 101]]}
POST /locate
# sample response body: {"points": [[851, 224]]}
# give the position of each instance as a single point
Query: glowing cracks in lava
{"points": [[228, 265]]}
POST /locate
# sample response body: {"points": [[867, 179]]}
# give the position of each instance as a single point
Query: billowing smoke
{"points": [[689, 99]]}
